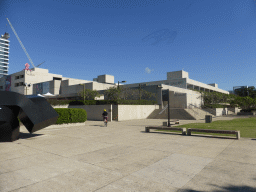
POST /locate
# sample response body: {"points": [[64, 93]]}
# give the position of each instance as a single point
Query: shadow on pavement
{"points": [[28, 135], [231, 188]]}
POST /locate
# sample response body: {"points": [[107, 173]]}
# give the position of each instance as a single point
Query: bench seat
{"points": [[183, 130], [237, 133]]}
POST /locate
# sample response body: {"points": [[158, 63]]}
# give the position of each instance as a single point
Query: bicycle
{"points": [[105, 121]]}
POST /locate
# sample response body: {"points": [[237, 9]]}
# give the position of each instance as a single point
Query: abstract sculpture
{"points": [[35, 114]]}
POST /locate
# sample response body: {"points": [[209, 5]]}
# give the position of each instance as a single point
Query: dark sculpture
{"points": [[35, 114]]}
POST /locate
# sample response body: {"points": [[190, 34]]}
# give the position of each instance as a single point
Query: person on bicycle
{"points": [[105, 115]]}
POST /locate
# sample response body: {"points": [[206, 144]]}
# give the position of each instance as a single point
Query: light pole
{"points": [[84, 91], [120, 82], [27, 85], [169, 108], [140, 89]]}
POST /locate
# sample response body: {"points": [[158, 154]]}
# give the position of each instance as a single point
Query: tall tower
{"points": [[4, 54]]}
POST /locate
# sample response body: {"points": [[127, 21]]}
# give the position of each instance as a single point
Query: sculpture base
{"points": [[7, 133]]}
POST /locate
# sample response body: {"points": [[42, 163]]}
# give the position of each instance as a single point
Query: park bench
{"points": [[183, 130], [237, 133]]}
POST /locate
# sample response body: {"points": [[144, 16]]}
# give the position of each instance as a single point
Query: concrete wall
{"points": [[182, 98], [101, 86], [94, 112], [129, 112], [194, 99], [105, 79], [177, 75], [221, 111]]}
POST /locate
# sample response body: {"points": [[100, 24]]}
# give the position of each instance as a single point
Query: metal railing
{"points": [[163, 109]]}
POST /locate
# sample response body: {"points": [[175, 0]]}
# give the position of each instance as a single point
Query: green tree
{"points": [[112, 93], [89, 94]]}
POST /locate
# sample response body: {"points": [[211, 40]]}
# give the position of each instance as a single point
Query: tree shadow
{"points": [[28, 135]]}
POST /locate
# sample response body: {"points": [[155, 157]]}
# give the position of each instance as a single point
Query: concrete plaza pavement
{"points": [[123, 158]]}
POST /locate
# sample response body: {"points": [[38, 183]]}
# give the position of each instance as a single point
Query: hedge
{"points": [[72, 115], [101, 102]]}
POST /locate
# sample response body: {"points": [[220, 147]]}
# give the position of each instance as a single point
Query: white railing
{"points": [[163, 109]]}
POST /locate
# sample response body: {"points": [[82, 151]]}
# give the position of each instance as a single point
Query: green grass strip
{"points": [[246, 126]]}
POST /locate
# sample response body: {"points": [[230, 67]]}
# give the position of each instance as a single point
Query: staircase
{"points": [[198, 113], [179, 113]]}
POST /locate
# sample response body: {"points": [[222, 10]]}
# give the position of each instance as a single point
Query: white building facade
{"points": [[4, 54]]}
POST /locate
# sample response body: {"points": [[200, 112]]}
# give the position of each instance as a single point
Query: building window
{"points": [[21, 83], [56, 78], [17, 77], [16, 84], [21, 76]]}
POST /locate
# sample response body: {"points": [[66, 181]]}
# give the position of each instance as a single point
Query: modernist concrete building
{"points": [[43, 82], [180, 89], [4, 54], [177, 84]]}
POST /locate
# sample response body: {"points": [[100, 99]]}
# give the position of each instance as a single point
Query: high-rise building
{"points": [[4, 54]]}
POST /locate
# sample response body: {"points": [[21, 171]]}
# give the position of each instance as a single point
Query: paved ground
{"points": [[122, 158]]}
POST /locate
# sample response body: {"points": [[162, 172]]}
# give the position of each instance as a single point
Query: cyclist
{"points": [[105, 115]]}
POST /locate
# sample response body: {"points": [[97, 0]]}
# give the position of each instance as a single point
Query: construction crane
{"points": [[40, 64], [22, 44]]}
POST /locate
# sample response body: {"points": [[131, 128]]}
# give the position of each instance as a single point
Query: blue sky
{"points": [[136, 40]]}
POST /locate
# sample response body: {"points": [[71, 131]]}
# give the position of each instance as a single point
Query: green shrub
{"points": [[76, 102], [248, 110], [215, 106], [73, 115], [101, 102]]}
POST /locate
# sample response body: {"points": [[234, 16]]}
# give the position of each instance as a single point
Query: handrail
{"points": [[163, 109], [201, 109]]}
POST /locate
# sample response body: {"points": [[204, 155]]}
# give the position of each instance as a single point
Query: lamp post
{"points": [[140, 89], [120, 82], [84, 91], [27, 85], [169, 108]]}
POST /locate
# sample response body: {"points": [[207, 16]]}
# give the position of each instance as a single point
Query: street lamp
{"points": [[140, 88], [27, 85], [169, 108], [84, 91], [120, 82]]}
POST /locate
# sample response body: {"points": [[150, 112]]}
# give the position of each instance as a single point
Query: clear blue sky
{"points": [[136, 40]]}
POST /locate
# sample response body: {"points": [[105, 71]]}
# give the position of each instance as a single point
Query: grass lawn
{"points": [[246, 126]]}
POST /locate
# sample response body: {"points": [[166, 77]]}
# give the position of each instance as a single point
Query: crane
{"points": [[22, 44]]}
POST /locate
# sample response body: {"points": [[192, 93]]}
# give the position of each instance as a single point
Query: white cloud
{"points": [[147, 70]]}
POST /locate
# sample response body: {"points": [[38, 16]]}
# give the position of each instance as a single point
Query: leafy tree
{"points": [[112, 93], [89, 94], [245, 102], [250, 91]]}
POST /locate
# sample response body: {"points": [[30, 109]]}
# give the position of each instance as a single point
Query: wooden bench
{"points": [[183, 130], [237, 133]]}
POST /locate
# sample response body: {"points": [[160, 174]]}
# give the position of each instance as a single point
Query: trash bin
{"points": [[208, 118]]}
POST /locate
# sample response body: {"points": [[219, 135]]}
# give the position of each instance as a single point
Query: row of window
{"points": [[6, 42], [3, 49], [18, 84], [19, 77], [2, 60]]}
